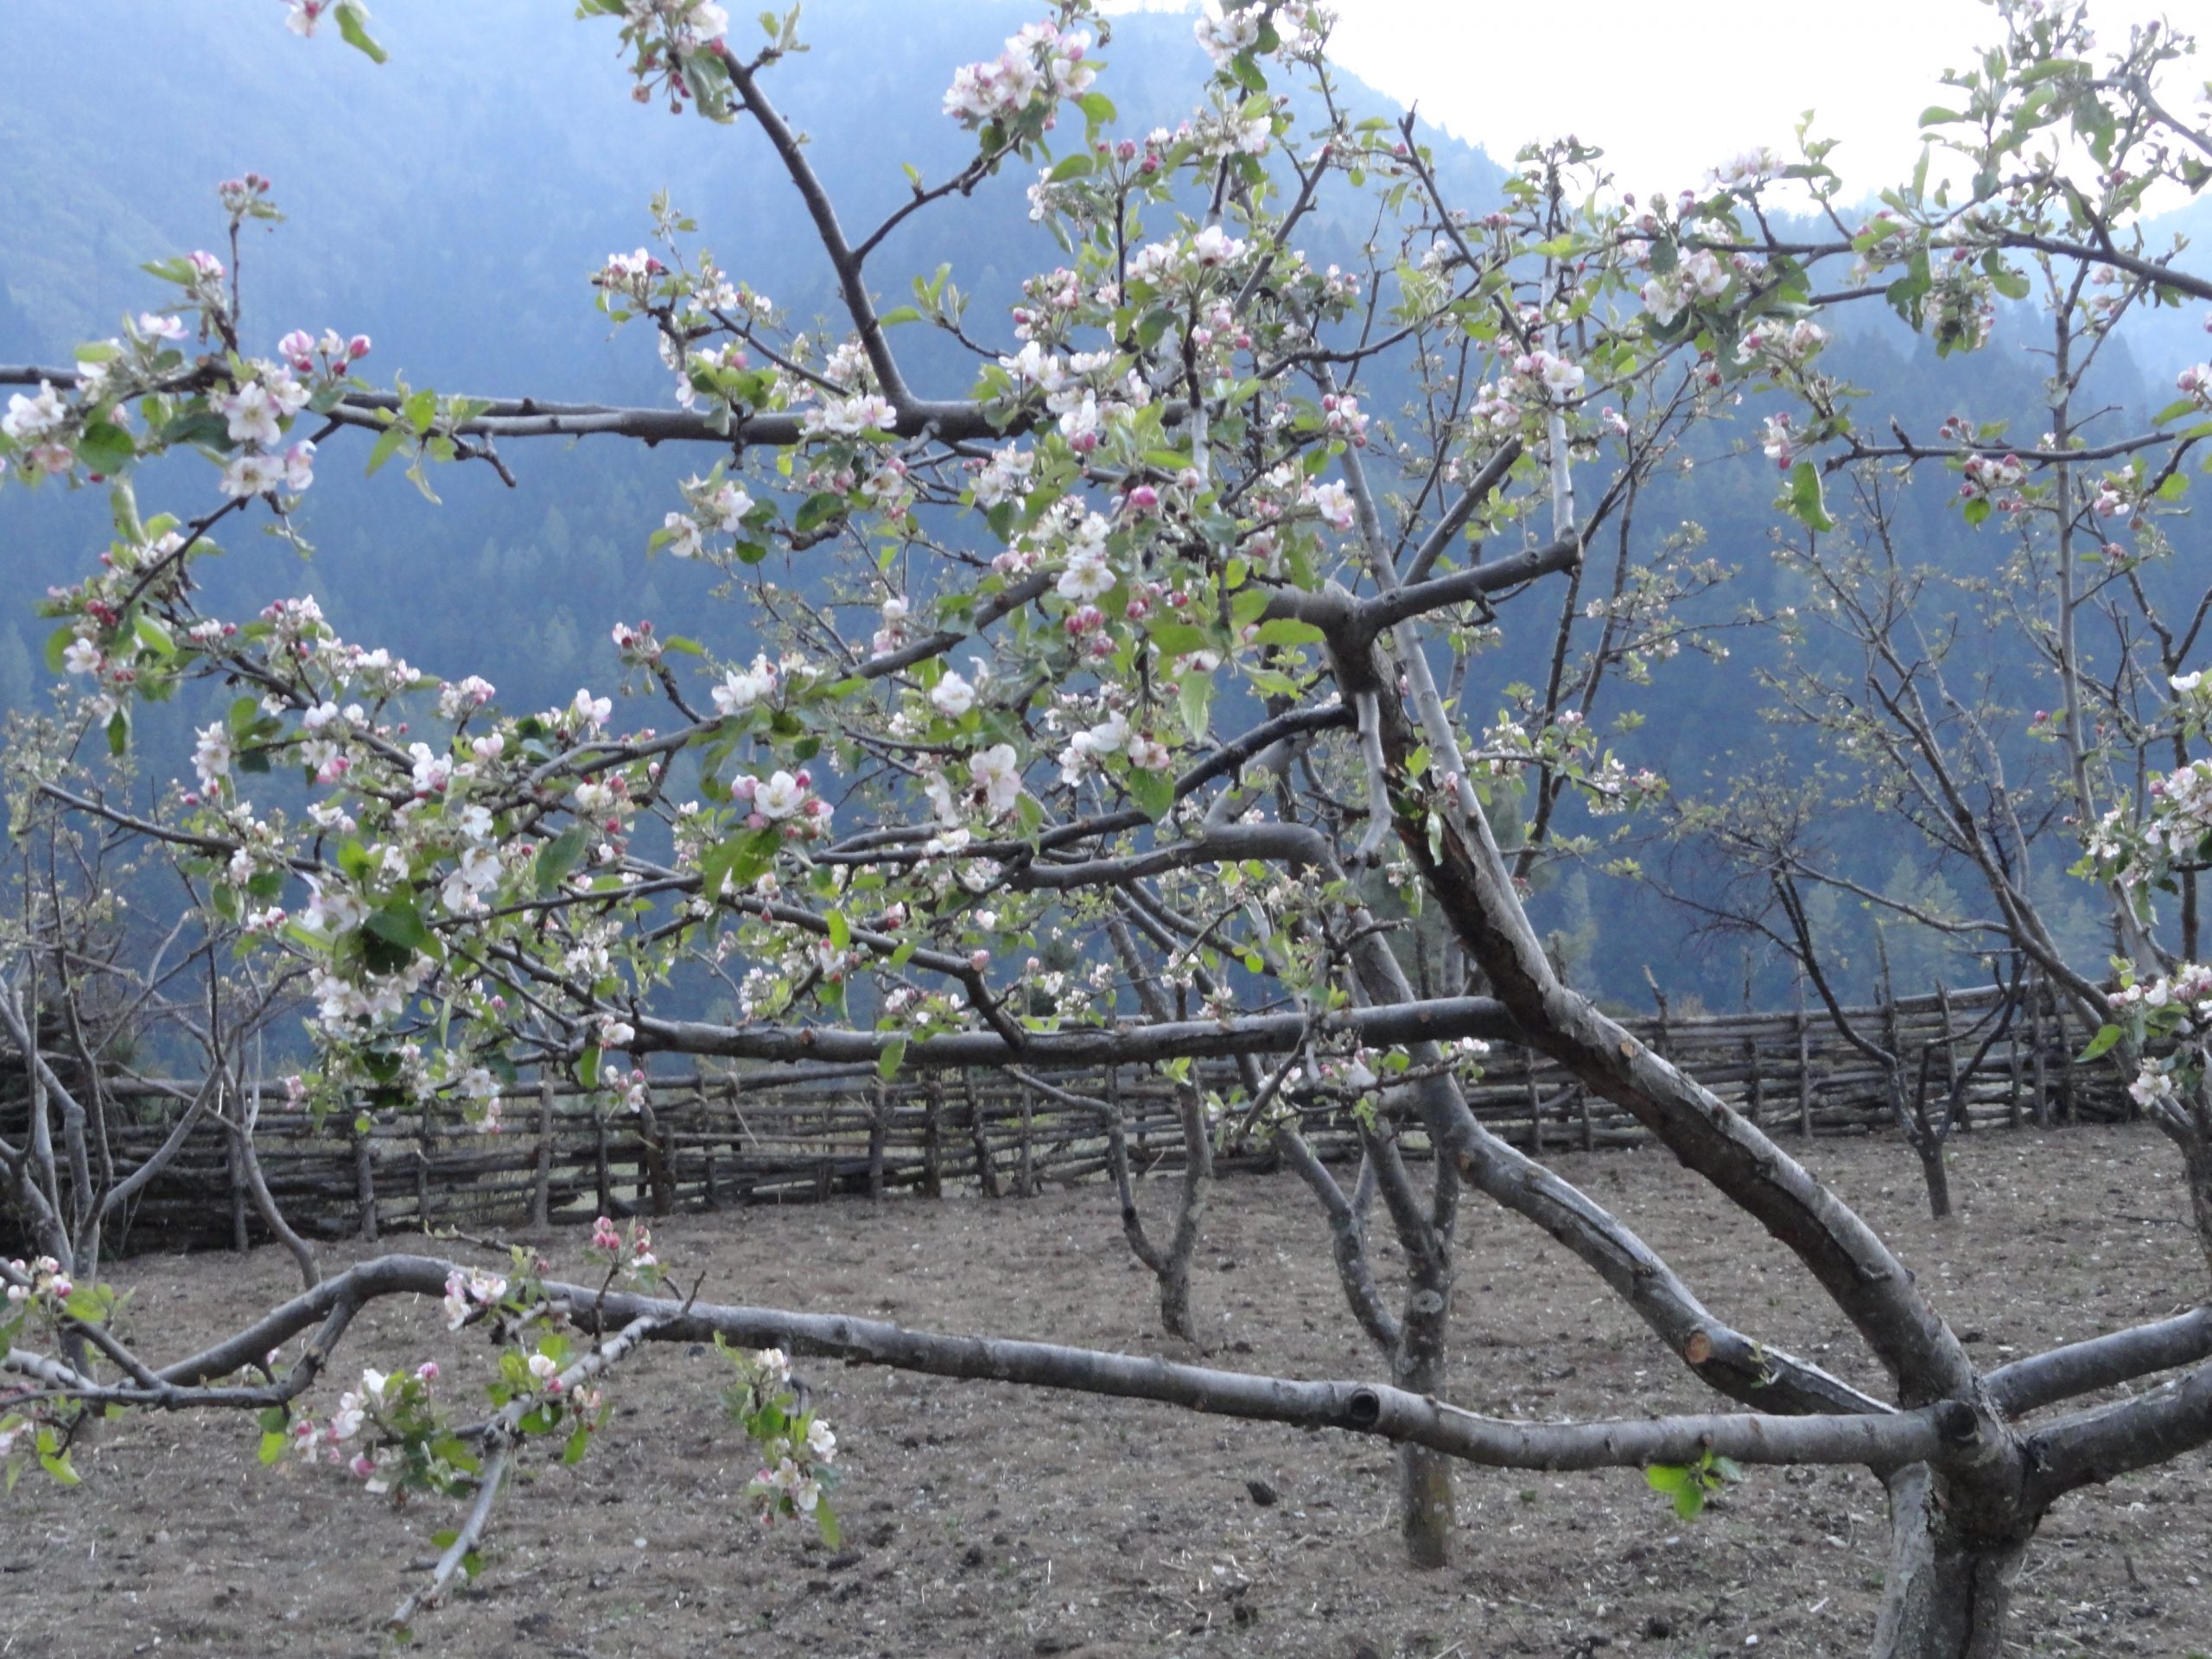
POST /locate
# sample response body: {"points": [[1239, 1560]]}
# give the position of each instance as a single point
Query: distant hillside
{"points": [[452, 204]]}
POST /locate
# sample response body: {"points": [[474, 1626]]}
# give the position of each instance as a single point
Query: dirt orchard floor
{"points": [[983, 1520]]}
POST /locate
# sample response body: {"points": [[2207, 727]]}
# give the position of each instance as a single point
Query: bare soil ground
{"points": [[985, 1520]]}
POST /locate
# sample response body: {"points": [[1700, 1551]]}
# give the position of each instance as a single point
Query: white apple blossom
{"points": [[212, 754], [1334, 502], [778, 797], [849, 416], [952, 696], [1088, 575], [741, 687], [252, 474], [29, 419], [1224, 34], [726, 508], [997, 775], [253, 415], [1149, 754]]}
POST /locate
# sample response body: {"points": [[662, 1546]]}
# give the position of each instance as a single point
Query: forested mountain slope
{"points": [[452, 204]]}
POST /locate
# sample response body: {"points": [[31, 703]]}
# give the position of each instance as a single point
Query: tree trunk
{"points": [[2197, 1164], [1425, 1514], [1949, 1594], [1933, 1172]]}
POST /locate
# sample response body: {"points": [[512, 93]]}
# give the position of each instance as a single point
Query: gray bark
{"points": [[1948, 1592]]}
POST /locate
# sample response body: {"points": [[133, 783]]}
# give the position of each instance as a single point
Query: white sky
{"points": [[1669, 91]]}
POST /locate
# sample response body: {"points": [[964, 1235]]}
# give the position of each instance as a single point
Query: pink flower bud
{"points": [[357, 347]]}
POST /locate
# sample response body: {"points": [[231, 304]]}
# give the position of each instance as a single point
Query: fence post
{"points": [[986, 1171], [1026, 1171], [237, 1169], [365, 1185], [2013, 1067], [541, 1192], [933, 1139], [879, 1131], [1804, 1065], [2036, 1046], [1755, 1084], [711, 1198], [1951, 1058], [2066, 1104], [599, 1140], [1536, 1104]]}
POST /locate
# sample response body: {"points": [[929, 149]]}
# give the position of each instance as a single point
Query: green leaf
{"points": [[1807, 505], [352, 25], [892, 318], [400, 922], [817, 510], [1076, 166], [387, 445], [841, 931], [105, 448], [1679, 1483], [272, 1445], [558, 857], [893, 1055], [1179, 639], [1287, 631], [1153, 792], [57, 642], [2102, 1042], [1194, 695], [123, 508]]}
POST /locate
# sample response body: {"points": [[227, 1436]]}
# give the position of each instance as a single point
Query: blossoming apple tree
{"points": [[1124, 705], [2086, 600]]}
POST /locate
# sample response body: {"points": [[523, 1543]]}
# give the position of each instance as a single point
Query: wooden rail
{"points": [[800, 1135]]}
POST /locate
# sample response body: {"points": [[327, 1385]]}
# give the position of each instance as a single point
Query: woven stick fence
{"points": [[802, 1134]]}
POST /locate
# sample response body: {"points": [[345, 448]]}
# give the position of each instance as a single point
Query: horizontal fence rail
{"points": [[787, 1135]]}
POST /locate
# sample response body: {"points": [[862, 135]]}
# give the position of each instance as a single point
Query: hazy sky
{"points": [[1669, 91]]}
